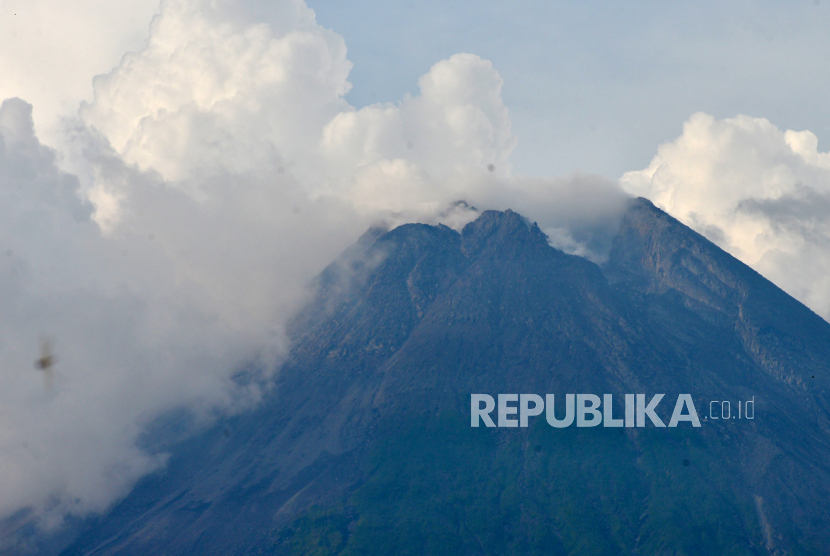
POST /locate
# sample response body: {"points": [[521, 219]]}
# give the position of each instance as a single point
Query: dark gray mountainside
{"points": [[365, 447]]}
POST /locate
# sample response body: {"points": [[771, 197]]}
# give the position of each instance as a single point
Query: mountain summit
{"points": [[364, 446]]}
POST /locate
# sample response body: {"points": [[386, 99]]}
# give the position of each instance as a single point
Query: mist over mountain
{"points": [[173, 174], [364, 445]]}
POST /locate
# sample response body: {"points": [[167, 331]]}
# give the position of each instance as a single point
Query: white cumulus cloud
{"points": [[214, 172], [49, 50]]}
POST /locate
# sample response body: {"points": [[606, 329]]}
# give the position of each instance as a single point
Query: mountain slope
{"points": [[365, 444]]}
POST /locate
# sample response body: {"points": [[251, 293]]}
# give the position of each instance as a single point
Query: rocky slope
{"points": [[365, 445]]}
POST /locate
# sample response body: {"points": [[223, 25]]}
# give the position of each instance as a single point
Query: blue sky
{"points": [[599, 85]]}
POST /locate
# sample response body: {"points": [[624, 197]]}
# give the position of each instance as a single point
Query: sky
{"points": [[173, 175], [596, 86]]}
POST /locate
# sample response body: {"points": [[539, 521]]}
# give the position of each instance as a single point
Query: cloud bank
{"points": [[215, 171], [760, 193]]}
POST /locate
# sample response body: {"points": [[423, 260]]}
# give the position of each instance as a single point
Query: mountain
{"points": [[364, 445]]}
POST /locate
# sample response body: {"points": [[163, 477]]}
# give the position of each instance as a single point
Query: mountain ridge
{"points": [[365, 446]]}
